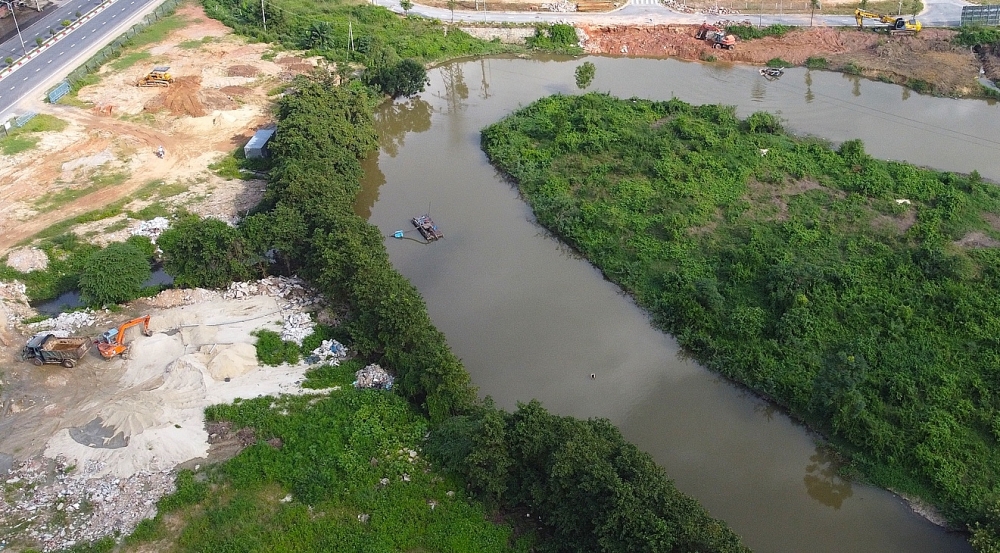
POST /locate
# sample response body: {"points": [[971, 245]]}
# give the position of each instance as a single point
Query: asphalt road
{"points": [[50, 66]]}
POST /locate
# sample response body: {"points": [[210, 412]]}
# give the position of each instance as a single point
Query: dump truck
{"points": [[48, 348], [159, 76]]}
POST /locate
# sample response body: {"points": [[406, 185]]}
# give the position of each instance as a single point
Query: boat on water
{"points": [[771, 73], [427, 228]]}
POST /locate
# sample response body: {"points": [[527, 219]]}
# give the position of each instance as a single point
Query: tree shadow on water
{"points": [[822, 482]]}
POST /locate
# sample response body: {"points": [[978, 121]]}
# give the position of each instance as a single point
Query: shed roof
{"points": [[260, 138]]}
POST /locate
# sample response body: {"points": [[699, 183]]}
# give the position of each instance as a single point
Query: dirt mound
{"points": [[235, 90], [300, 67], [214, 99], [289, 60], [930, 57], [180, 98], [242, 71], [27, 259]]}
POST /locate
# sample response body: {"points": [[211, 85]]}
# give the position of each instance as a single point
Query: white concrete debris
{"points": [[373, 376], [291, 289], [152, 228], [67, 322], [297, 327], [60, 505], [330, 351], [560, 6]]}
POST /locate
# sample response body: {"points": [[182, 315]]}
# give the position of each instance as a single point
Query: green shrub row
{"points": [[842, 286]]}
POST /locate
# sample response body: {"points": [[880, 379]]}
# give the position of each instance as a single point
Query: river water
{"points": [[532, 320]]}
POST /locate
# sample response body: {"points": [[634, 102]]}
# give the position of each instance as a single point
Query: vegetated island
{"points": [[859, 294]]}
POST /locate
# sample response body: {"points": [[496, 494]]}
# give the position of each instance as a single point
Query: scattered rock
{"points": [[152, 228]]}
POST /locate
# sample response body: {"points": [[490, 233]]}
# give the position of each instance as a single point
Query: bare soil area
{"points": [[219, 98], [90, 449], [928, 61]]}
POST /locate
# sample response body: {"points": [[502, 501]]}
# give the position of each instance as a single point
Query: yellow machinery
{"points": [[159, 76], [894, 24]]}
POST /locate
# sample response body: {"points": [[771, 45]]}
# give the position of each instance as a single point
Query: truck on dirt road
{"points": [[48, 348]]}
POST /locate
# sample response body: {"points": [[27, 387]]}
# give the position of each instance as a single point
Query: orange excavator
{"points": [[112, 342]]}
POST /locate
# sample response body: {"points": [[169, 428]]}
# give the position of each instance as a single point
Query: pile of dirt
{"points": [[235, 90], [242, 71], [180, 98], [930, 57]]}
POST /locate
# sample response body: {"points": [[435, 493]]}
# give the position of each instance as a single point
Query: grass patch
{"points": [[191, 44], [109, 178], [16, 144], [151, 211], [273, 351], [20, 140], [128, 60], [778, 62], [816, 63], [749, 32], [157, 32]]}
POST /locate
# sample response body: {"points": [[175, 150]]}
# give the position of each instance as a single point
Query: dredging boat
{"points": [[427, 228]]}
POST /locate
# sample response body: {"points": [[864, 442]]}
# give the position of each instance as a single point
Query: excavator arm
{"points": [[112, 342], [894, 24]]}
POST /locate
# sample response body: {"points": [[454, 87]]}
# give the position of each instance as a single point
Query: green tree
{"points": [[452, 4], [584, 74], [813, 6], [320, 35], [405, 78], [207, 253], [407, 5], [114, 275]]}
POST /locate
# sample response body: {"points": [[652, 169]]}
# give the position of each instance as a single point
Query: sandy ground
{"points": [[929, 57], [90, 449], [218, 100]]}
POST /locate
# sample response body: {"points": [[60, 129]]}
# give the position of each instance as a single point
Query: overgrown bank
{"points": [[858, 293], [584, 486]]}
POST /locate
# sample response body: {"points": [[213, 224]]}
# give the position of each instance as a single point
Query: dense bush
{"points": [[790, 267], [207, 253], [749, 32], [974, 36], [327, 28], [580, 480], [558, 36], [114, 275], [405, 78]]}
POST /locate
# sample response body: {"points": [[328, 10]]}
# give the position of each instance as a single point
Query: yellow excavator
{"points": [[159, 76], [894, 24]]}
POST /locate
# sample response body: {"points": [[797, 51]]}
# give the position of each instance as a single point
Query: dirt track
{"points": [[930, 57]]}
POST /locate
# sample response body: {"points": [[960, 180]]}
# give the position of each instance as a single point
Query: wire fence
{"points": [[114, 48]]}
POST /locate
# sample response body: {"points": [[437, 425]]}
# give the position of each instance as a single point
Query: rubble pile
{"points": [[562, 6], [291, 289], [373, 376], [297, 326], [56, 506], [67, 322], [330, 351], [13, 296], [152, 228], [28, 259]]}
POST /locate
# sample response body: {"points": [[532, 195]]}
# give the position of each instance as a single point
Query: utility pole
{"points": [[262, 16], [10, 6]]}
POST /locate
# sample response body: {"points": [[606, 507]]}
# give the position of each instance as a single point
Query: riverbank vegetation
{"points": [[552, 483], [857, 293]]}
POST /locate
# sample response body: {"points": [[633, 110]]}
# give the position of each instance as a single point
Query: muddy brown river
{"points": [[532, 320]]}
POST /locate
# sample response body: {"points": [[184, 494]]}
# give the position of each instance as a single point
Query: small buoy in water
{"points": [[593, 376]]}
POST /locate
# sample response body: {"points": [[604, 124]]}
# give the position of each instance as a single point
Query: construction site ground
{"points": [[928, 60], [108, 152]]}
